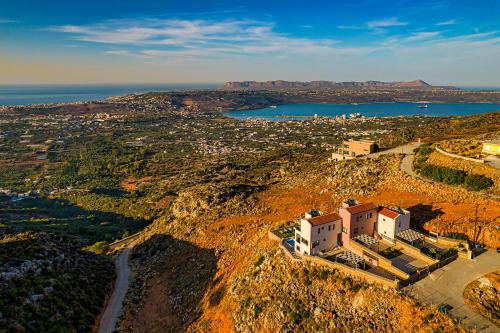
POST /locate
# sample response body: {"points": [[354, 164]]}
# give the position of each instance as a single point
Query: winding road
{"points": [[115, 303]]}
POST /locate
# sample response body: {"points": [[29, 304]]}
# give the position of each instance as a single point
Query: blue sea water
{"points": [[36, 94], [300, 111]]}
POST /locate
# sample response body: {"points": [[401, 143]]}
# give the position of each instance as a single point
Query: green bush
{"points": [[477, 182], [425, 150], [98, 247], [456, 235], [443, 174]]}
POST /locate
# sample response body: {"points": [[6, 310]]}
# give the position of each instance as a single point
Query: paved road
{"points": [[446, 286], [407, 162], [114, 306]]}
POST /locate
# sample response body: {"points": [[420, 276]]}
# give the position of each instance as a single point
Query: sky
{"points": [[443, 42]]}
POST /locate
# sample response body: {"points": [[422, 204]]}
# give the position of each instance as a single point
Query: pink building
{"points": [[357, 219]]}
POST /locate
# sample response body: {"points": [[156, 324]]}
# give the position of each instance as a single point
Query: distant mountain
{"points": [[280, 84]]}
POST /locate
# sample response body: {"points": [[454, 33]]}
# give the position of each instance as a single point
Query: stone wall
{"points": [[367, 276]]}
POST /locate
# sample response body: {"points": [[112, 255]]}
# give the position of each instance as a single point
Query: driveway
{"points": [[446, 285], [407, 161], [114, 306]]}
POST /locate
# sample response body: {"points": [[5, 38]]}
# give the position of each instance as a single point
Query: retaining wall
{"points": [[458, 156], [367, 276], [413, 251], [383, 262], [273, 236]]}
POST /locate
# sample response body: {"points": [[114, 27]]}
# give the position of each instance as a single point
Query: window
{"points": [[323, 228], [383, 219], [329, 228], [324, 239], [297, 238], [367, 216], [305, 242], [357, 218], [355, 231], [319, 231], [344, 230], [399, 224], [370, 215], [297, 248]]}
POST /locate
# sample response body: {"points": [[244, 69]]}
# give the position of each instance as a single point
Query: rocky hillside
{"points": [[275, 294], [48, 284], [482, 295], [207, 264], [280, 84]]}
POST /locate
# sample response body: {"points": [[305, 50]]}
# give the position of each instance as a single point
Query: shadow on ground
{"points": [[422, 213], [177, 276]]}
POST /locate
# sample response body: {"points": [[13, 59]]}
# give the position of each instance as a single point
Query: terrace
{"points": [[400, 257]]}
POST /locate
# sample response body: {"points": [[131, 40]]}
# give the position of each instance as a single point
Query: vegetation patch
{"points": [[390, 253], [48, 284]]}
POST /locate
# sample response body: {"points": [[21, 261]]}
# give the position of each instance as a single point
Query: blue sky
{"points": [[442, 42]]}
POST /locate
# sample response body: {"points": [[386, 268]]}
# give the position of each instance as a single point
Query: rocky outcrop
{"points": [[276, 294], [482, 296]]}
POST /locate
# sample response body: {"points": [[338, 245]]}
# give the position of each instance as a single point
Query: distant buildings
{"points": [[354, 148], [491, 147]]}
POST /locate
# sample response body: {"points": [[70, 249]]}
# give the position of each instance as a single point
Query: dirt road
{"points": [[114, 306]]}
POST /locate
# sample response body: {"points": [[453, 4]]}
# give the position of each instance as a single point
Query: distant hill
{"points": [[280, 84]]}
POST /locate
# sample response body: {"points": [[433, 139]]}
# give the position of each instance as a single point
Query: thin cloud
{"points": [[448, 22], [377, 26], [423, 35], [7, 21], [386, 23], [194, 38]]}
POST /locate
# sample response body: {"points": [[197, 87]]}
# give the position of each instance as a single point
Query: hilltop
{"points": [[280, 84]]}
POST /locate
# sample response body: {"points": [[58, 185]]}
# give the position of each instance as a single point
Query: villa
{"points": [[354, 148], [391, 222], [369, 241], [317, 233], [357, 219]]}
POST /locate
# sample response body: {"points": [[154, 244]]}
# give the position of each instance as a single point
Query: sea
{"points": [[305, 111], [42, 94]]}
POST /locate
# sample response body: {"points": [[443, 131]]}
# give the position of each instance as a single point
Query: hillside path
{"points": [[114, 306], [407, 162]]}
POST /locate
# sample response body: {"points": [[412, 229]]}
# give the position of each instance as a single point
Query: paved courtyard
{"points": [[446, 286]]}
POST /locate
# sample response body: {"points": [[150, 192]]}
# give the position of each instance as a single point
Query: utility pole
{"points": [[475, 225], [402, 143]]}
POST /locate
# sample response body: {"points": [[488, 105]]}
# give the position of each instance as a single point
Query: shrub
{"points": [[98, 247], [260, 261], [425, 150], [443, 174], [477, 182], [456, 235]]}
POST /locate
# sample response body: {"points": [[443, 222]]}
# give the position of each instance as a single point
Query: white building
{"points": [[390, 222], [318, 233]]}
